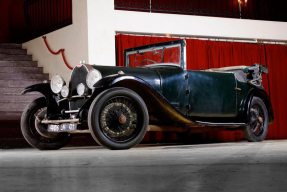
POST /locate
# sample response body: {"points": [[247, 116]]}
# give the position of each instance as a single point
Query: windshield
{"points": [[155, 55]]}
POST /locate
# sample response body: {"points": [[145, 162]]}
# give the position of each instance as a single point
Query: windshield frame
{"points": [[158, 46]]}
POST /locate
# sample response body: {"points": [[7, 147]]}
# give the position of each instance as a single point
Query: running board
{"points": [[220, 124]]}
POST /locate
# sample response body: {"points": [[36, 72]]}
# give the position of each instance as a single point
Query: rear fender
{"points": [[160, 110], [51, 98]]}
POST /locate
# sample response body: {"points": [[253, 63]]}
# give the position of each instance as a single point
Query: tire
{"points": [[257, 128], [118, 118], [35, 133]]}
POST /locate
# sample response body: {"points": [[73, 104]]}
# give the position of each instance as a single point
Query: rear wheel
{"points": [[118, 118], [35, 133], [258, 121]]}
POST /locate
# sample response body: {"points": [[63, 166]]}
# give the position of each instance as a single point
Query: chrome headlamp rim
{"points": [[89, 81], [65, 91], [53, 86]]}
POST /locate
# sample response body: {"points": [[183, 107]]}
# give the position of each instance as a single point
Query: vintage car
{"points": [[153, 92]]}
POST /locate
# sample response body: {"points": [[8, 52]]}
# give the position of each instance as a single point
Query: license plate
{"points": [[62, 127]]}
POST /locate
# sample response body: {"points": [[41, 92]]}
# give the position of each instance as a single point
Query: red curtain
{"points": [[209, 54], [276, 57]]}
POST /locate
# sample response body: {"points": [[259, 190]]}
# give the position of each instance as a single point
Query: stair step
{"points": [[18, 64], [21, 70], [5, 57], [12, 107], [24, 76], [18, 83], [18, 98], [13, 51], [10, 46], [10, 115], [14, 91]]}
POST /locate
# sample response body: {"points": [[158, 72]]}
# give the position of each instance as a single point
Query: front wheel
{"points": [[118, 118], [257, 128], [35, 133]]}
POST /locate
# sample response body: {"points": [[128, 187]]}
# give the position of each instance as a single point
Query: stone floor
{"points": [[232, 167]]}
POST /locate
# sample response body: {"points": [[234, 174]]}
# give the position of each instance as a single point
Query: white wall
{"points": [[73, 38], [199, 26], [101, 32]]}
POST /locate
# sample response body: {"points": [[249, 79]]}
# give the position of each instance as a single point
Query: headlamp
{"points": [[93, 77], [57, 83], [81, 88], [65, 91]]}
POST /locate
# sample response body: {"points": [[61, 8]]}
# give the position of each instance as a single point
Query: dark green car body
{"points": [[176, 98]]}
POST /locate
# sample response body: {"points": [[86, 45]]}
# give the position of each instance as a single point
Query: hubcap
{"points": [[122, 119]]}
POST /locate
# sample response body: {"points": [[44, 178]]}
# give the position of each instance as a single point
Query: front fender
{"points": [[44, 88], [160, 110]]}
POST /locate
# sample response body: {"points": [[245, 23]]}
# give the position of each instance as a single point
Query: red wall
{"points": [[209, 54], [12, 21]]}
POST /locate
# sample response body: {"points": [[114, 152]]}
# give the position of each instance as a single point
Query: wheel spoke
{"points": [[119, 119], [257, 125]]}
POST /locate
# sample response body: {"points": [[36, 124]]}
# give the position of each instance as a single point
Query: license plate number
{"points": [[62, 127]]}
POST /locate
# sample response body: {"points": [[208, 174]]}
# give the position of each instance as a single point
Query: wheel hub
{"points": [[118, 119], [256, 120], [122, 119]]}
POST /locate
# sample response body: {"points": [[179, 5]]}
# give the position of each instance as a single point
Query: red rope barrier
{"points": [[57, 53]]}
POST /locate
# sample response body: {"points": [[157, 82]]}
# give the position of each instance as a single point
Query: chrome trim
{"points": [[62, 100], [154, 49], [218, 124], [161, 64], [184, 56], [60, 121], [239, 67], [80, 131], [72, 111], [76, 96], [80, 96]]}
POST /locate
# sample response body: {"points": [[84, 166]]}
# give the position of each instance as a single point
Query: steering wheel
{"points": [[146, 60]]}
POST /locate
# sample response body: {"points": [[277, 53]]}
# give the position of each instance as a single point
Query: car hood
{"points": [[151, 76]]}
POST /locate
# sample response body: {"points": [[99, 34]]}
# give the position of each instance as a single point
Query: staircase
{"points": [[17, 71]]}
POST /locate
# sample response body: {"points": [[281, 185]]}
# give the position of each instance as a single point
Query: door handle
{"points": [[237, 89]]}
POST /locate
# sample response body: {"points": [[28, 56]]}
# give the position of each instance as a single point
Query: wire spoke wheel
{"points": [[120, 119], [36, 133], [257, 120], [257, 128], [39, 130]]}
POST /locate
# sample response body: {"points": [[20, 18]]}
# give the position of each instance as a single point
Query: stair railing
{"points": [[57, 53]]}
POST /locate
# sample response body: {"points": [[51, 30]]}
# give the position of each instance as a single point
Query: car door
{"points": [[173, 86], [211, 95]]}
